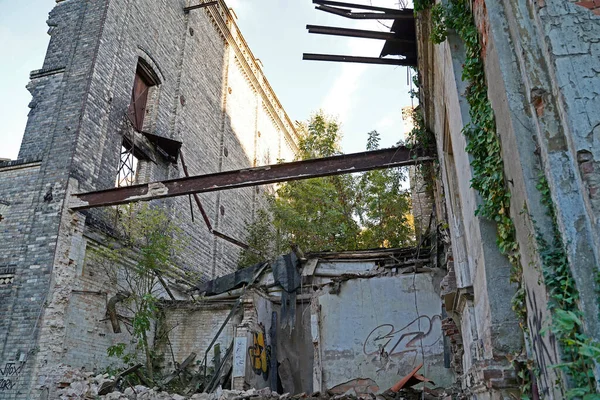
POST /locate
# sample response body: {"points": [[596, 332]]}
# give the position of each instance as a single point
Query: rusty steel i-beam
{"points": [[335, 165]]}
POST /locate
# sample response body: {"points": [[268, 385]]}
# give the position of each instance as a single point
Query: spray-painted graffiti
{"points": [[385, 341], [259, 353], [9, 375], [544, 345]]}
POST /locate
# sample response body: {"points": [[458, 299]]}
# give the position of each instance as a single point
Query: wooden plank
{"points": [[310, 266]]}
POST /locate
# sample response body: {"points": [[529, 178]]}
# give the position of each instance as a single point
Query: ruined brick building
{"points": [[511, 94], [126, 88], [520, 195]]}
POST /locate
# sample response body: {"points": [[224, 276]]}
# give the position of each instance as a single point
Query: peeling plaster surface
{"points": [[380, 329]]}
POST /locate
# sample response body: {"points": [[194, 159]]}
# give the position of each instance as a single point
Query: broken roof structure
{"points": [[322, 323]]}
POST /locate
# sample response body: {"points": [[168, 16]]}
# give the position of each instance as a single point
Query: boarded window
{"points": [[144, 79]]}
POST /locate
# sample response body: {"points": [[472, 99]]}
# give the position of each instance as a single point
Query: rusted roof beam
{"points": [[201, 5], [331, 30], [355, 59], [335, 165], [342, 12], [353, 5]]}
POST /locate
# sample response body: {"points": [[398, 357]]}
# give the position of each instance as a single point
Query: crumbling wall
{"points": [[292, 349], [191, 328], [549, 65], [375, 331], [76, 127], [541, 65]]}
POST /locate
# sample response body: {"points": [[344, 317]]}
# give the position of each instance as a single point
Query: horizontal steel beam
{"points": [[331, 30], [354, 59], [201, 5], [335, 165]]}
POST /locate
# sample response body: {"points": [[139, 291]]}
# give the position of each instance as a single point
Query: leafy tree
{"points": [[261, 238], [318, 213], [344, 212], [385, 214], [135, 265]]}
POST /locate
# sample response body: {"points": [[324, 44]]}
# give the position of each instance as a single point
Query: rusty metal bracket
{"points": [[201, 5]]}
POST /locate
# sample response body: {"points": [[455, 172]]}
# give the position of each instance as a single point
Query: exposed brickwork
{"points": [[592, 5], [193, 327], [452, 331], [212, 97]]}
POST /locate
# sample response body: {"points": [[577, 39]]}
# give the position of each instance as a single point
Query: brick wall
{"points": [[192, 328], [212, 97], [592, 5]]}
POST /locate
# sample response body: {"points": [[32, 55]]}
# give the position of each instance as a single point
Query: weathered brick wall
{"points": [[76, 124], [193, 327], [18, 192]]}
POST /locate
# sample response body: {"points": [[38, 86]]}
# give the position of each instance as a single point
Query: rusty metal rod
{"points": [[196, 198], [335, 165]]}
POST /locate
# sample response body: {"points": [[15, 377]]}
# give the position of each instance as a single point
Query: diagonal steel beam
{"points": [[335, 165]]}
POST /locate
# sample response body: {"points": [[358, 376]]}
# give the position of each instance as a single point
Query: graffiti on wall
{"points": [[259, 353], [543, 344], [385, 342], [9, 375]]}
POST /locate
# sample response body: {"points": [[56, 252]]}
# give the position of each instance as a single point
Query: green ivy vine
{"points": [[578, 351]]}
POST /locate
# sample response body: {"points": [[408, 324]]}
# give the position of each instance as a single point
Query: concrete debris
{"points": [[86, 385]]}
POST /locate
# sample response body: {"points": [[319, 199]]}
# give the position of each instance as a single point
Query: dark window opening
{"points": [[145, 78], [3, 210]]}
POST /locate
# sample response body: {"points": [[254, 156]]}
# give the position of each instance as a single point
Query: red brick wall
{"points": [[592, 5]]}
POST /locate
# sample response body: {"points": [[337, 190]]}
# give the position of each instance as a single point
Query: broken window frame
{"points": [[128, 165]]}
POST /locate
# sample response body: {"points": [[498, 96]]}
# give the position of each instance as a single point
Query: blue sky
{"points": [[363, 97]]}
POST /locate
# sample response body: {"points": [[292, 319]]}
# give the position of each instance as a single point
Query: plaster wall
{"points": [[377, 330]]}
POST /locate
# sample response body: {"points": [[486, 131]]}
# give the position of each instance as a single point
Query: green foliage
{"points": [[384, 214], [422, 5], [133, 264], [262, 239], [333, 213], [116, 350], [579, 352], [318, 214], [483, 142]]}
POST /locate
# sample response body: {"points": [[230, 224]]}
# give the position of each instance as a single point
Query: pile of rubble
{"points": [[81, 385]]}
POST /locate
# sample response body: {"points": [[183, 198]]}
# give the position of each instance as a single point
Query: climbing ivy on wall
{"points": [[578, 351], [483, 142]]}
